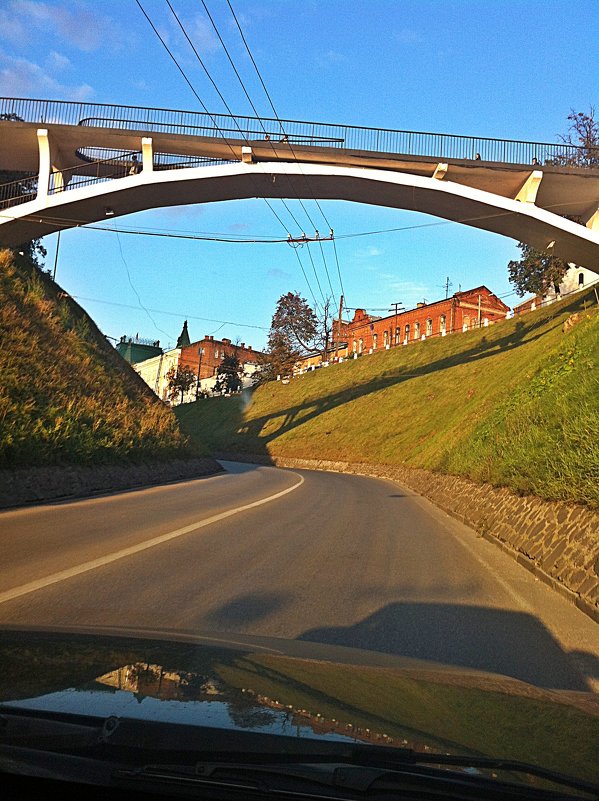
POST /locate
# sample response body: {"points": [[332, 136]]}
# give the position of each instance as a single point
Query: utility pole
{"points": [[339, 327], [447, 284], [395, 308], [56, 257], [200, 354]]}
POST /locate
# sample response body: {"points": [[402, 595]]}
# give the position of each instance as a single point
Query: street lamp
{"points": [[200, 354]]}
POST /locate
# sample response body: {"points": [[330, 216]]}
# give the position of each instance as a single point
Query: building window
{"points": [[443, 324], [429, 327], [375, 341], [416, 330], [216, 354], [466, 324], [386, 338], [397, 335], [361, 345], [407, 331], [355, 346], [580, 279]]}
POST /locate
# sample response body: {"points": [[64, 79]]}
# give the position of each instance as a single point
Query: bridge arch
{"points": [[244, 179]]}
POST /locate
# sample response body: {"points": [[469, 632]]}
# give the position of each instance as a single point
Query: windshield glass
{"points": [[232, 501]]}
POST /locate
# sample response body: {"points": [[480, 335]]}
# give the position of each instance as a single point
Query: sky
{"points": [[498, 68]]}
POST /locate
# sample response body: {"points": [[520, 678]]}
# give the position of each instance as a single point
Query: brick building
{"points": [[205, 356], [202, 357], [463, 311]]}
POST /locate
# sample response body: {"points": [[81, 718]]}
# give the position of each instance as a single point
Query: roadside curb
{"points": [[26, 487]]}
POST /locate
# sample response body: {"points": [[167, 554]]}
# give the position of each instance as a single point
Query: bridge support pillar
{"points": [[45, 163], [530, 187], [593, 221], [51, 166], [147, 154], [246, 155]]}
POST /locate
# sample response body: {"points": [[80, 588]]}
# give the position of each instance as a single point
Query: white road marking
{"points": [[62, 575]]}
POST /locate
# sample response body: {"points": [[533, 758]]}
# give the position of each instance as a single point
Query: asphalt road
{"points": [[322, 557]]}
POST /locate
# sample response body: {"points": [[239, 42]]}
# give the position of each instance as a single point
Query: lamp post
{"points": [[200, 354]]}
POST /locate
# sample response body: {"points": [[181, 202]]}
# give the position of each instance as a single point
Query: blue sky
{"points": [[498, 68]]}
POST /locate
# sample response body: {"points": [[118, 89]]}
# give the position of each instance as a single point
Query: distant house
{"points": [[134, 349], [202, 357], [575, 280]]}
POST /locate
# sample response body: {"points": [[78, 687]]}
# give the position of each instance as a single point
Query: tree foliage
{"points": [[535, 271], [583, 132], [228, 375], [295, 330], [180, 381]]}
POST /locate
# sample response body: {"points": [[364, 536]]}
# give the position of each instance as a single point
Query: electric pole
{"points": [[446, 285], [339, 326], [395, 308]]}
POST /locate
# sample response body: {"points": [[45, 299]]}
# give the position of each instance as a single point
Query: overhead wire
{"points": [[212, 117], [327, 222], [292, 215]]}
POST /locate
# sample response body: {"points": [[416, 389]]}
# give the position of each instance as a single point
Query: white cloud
{"points": [[22, 78], [56, 62], [79, 27]]}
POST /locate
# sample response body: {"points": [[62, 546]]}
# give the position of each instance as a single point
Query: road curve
{"points": [[324, 557]]}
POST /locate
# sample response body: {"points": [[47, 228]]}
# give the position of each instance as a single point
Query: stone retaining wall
{"points": [[558, 542], [41, 484]]}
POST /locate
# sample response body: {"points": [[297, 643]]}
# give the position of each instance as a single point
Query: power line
{"points": [[170, 313], [203, 106], [247, 47]]}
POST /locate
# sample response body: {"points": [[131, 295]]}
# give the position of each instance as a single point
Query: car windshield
{"points": [[253, 533]]}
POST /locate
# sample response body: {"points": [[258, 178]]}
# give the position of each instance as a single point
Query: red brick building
{"points": [[463, 311], [205, 355]]}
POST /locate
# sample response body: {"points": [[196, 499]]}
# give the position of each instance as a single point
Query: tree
{"points": [[294, 331], [180, 381], [228, 374], [536, 271], [583, 132]]}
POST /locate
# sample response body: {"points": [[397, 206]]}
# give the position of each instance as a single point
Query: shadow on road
{"points": [[510, 643], [246, 609]]}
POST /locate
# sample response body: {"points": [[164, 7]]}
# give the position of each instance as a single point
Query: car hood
{"points": [[278, 688]]}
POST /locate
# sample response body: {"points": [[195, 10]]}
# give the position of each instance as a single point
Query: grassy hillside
{"points": [[515, 405], [66, 396]]}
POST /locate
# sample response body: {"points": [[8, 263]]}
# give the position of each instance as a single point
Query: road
{"points": [[317, 556]]}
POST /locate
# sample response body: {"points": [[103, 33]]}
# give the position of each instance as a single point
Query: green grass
{"points": [[514, 405], [66, 396]]}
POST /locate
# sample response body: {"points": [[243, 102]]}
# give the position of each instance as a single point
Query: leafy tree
{"points": [[294, 331], [180, 381], [228, 374], [536, 271], [584, 133]]}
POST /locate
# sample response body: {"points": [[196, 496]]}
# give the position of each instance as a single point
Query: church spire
{"points": [[184, 339]]}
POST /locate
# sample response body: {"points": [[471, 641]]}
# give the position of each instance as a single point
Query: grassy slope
{"points": [[515, 405], [66, 396]]}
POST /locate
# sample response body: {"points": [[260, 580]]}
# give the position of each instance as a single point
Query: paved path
{"points": [[324, 557]]}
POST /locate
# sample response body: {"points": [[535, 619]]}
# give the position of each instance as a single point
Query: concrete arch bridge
{"points": [[77, 163]]}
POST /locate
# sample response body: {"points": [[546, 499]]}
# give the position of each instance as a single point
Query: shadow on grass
{"points": [[509, 643], [249, 436]]}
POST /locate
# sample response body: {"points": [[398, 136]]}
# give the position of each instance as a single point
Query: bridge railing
{"points": [[350, 137], [20, 191]]}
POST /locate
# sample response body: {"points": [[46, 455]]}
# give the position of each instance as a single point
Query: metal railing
{"points": [[20, 191], [95, 172], [350, 137]]}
